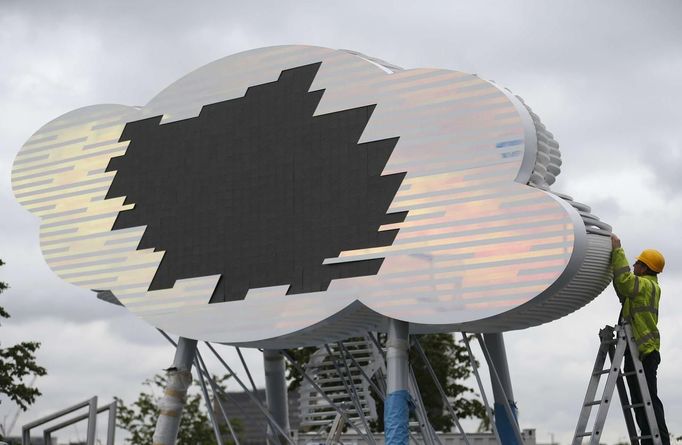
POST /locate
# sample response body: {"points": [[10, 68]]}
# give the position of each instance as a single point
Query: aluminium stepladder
{"points": [[615, 348]]}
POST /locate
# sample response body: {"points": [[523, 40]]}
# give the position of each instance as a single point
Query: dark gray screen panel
{"points": [[258, 190]]}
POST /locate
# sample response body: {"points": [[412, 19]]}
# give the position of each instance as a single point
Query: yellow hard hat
{"points": [[653, 259]]}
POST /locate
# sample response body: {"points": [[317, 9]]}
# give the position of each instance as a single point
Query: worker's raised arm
{"points": [[625, 282]]}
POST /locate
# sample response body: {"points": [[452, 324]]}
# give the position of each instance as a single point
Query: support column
{"points": [[276, 390], [498, 357], [178, 379], [396, 406]]}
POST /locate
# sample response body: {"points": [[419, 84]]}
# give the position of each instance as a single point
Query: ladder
{"points": [[615, 342]]}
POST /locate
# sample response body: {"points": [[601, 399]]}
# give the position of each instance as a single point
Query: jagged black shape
{"points": [[258, 190]]}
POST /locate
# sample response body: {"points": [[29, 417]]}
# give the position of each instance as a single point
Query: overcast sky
{"points": [[605, 77]]}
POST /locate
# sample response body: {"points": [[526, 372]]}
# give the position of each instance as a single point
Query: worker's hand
{"points": [[615, 241]]}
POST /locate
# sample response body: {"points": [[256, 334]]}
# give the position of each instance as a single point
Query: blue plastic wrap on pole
{"points": [[396, 417], [504, 427]]}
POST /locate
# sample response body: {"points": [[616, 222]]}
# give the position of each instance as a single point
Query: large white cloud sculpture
{"points": [[293, 195]]}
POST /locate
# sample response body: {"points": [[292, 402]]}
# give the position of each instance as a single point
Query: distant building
{"points": [[252, 422]]}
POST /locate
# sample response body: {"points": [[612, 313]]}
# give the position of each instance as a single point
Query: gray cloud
{"points": [[664, 162], [604, 77]]}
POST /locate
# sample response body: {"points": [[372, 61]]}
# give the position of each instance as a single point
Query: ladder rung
{"points": [[602, 372], [595, 402], [633, 405], [642, 437], [625, 374], [585, 434]]}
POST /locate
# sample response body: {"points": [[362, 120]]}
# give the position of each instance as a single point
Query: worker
{"points": [[639, 293]]}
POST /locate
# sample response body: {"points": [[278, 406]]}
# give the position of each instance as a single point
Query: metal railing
{"points": [[91, 417]]}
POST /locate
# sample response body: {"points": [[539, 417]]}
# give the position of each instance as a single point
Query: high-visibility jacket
{"points": [[640, 297]]}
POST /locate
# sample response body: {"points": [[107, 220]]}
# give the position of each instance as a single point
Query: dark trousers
{"points": [[650, 364]]}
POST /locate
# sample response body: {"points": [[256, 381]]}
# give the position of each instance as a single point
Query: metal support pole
{"points": [[428, 432], [253, 397], [505, 408], [207, 401], [346, 355], [178, 379], [382, 382], [246, 369], [439, 387], [396, 408], [92, 423], [474, 367], [276, 389], [377, 344], [269, 432], [111, 424], [217, 397]]}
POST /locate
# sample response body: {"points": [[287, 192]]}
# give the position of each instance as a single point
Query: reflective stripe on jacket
{"points": [[640, 297]]}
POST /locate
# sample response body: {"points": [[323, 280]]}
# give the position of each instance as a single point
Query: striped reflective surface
{"points": [[479, 249]]}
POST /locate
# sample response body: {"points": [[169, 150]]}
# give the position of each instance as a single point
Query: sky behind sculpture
{"points": [[607, 92]]}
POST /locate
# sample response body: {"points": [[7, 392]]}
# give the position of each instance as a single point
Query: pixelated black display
{"points": [[258, 190]]}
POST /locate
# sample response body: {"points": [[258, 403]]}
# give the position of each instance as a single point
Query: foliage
{"points": [[301, 356], [139, 419], [450, 362], [16, 363]]}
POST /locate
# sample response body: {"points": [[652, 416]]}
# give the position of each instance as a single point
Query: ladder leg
{"points": [[590, 395], [612, 373], [643, 393], [609, 387], [639, 391], [636, 398], [650, 366], [624, 402]]}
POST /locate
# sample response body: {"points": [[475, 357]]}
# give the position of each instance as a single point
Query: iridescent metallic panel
{"points": [[482, 243]]}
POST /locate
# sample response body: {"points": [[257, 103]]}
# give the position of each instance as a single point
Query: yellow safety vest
{"points": [[640, 297]]}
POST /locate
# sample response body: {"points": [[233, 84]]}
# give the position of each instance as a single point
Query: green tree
{"points": [[450, 362], [16, 363], [139, 419], [301, 356]]}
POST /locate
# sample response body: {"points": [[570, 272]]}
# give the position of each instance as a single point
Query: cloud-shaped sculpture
{"points": [[292, 195]]}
